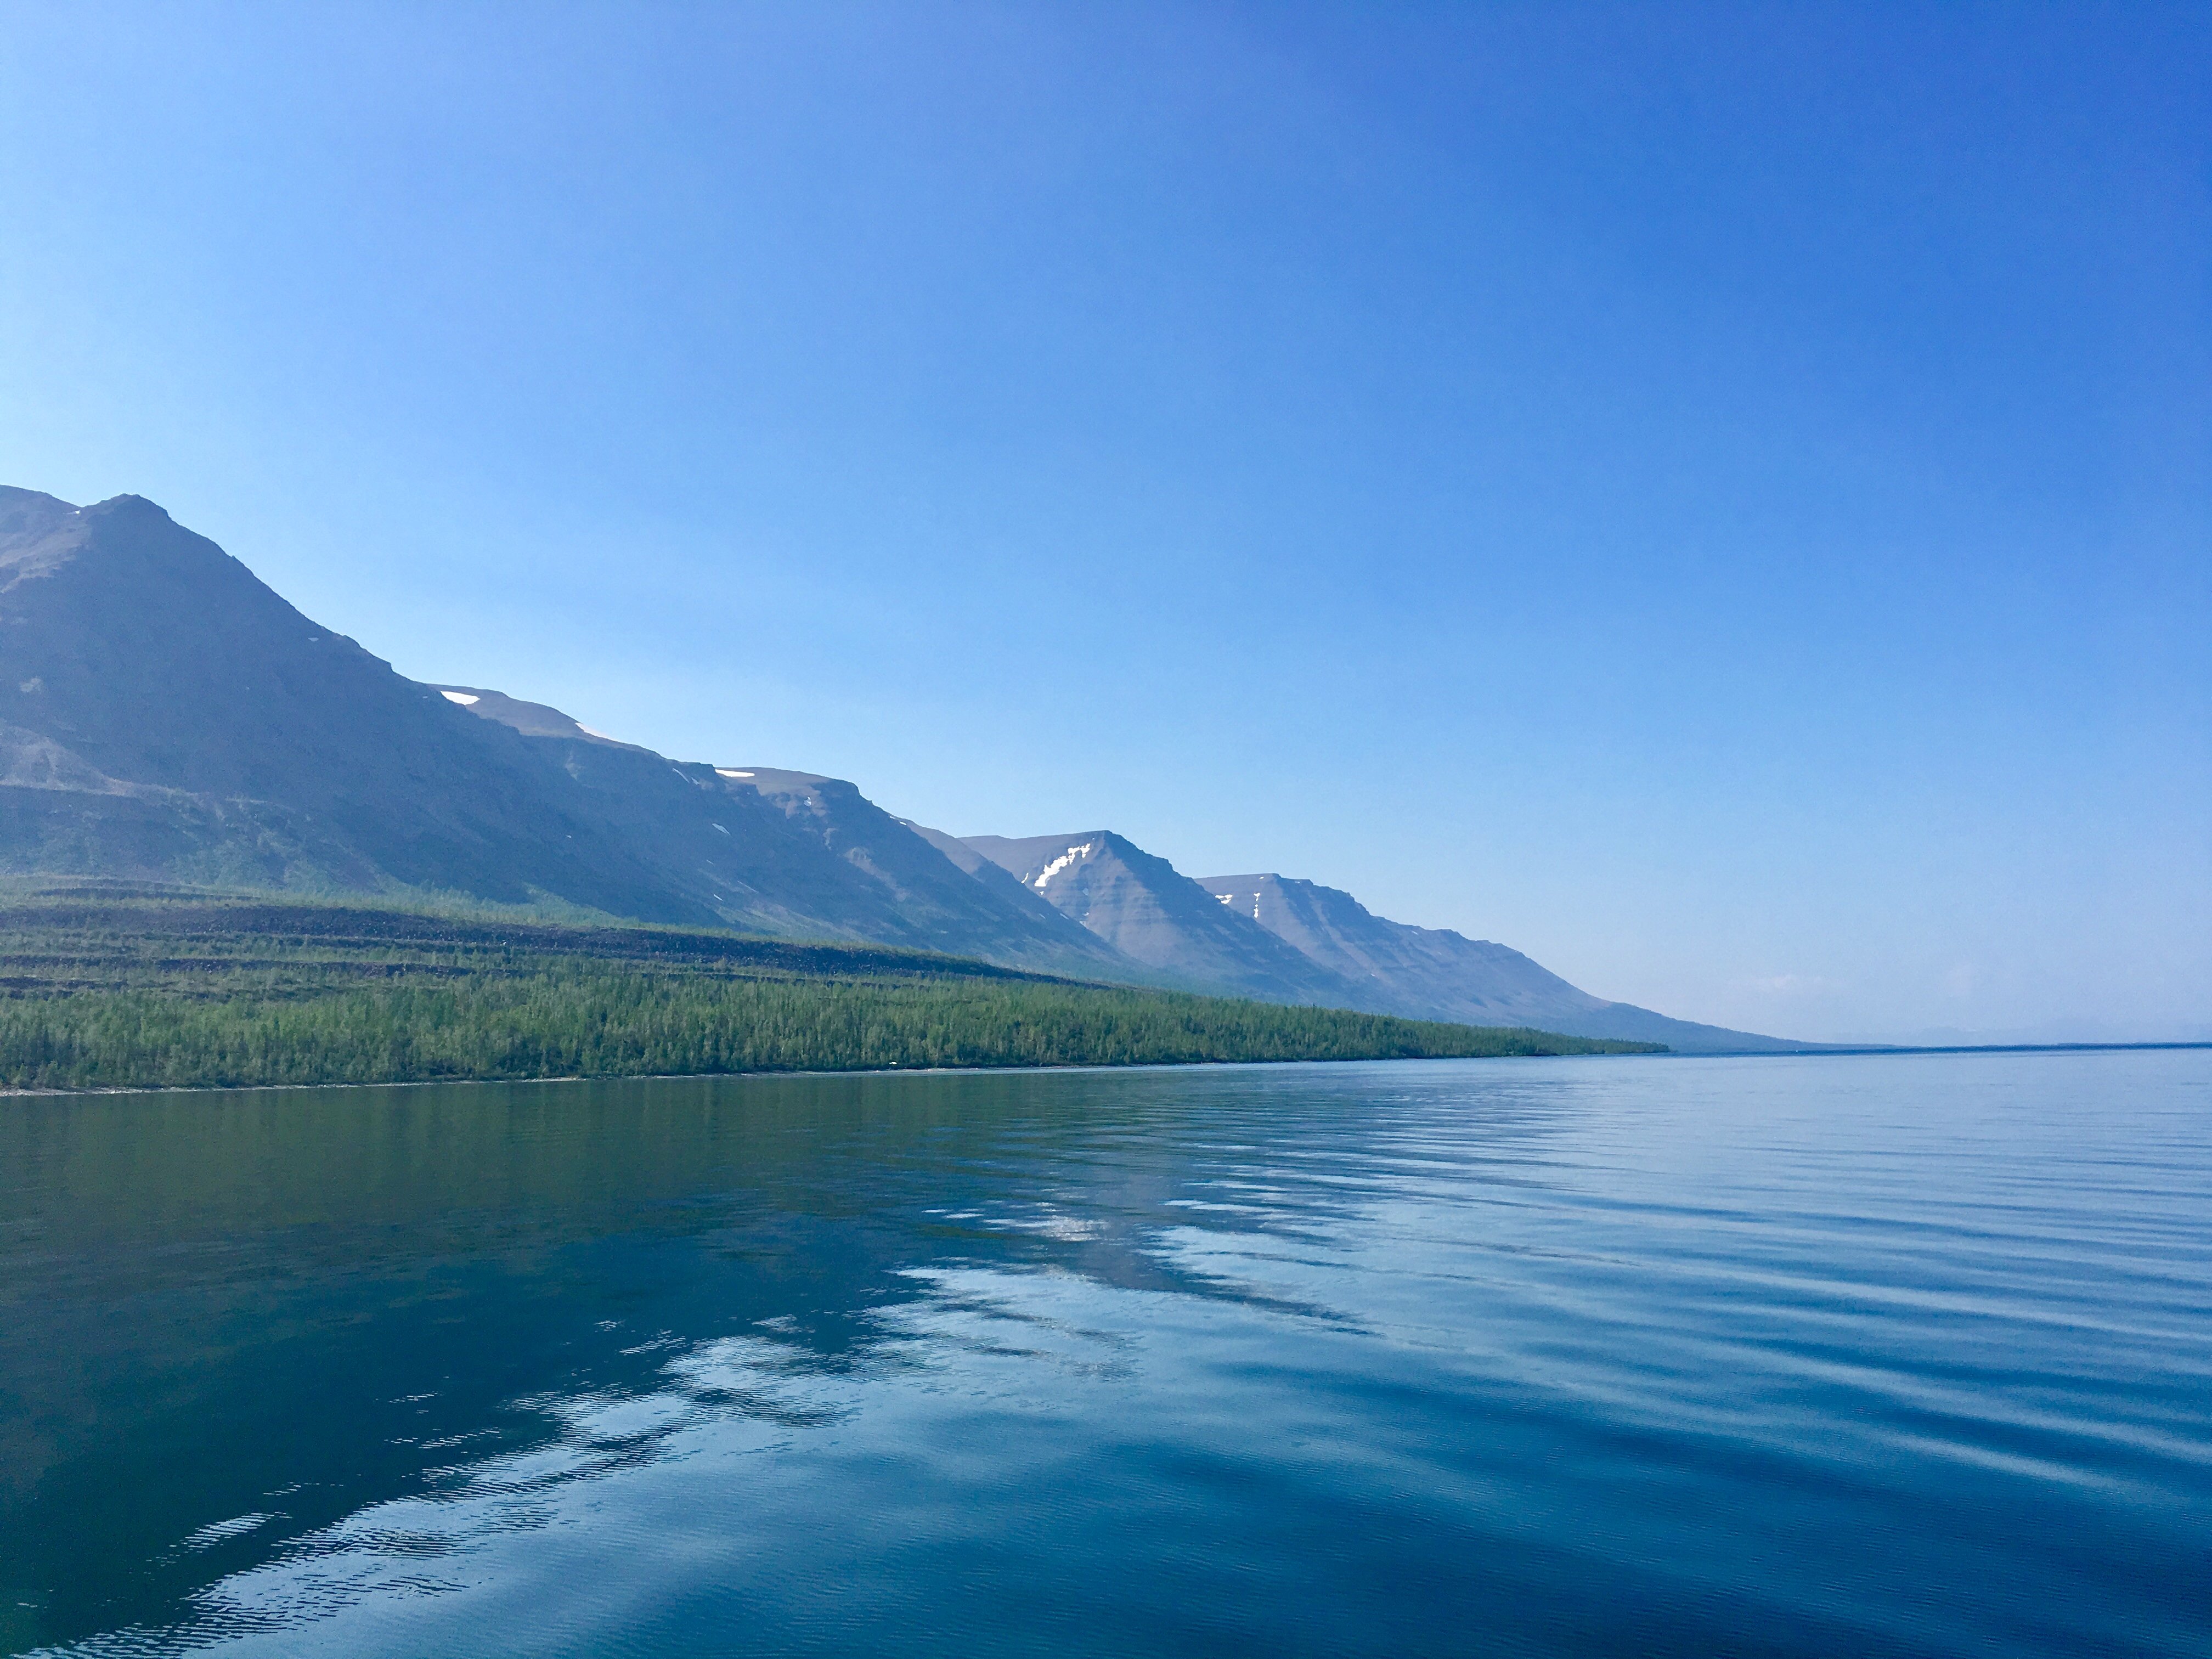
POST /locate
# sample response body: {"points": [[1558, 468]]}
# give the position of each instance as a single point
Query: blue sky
{"points": [[1719, 498]]}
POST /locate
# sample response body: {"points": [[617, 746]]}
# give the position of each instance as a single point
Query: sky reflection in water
{"points": [[1906, 1355]]}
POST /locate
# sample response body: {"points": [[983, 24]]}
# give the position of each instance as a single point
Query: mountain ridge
{"points": [[1145, 909], [1446, 975], [165, 716]]}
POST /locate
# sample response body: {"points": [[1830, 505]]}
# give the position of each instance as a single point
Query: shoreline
{"points": [[857, 1071], [1822, 1053]]}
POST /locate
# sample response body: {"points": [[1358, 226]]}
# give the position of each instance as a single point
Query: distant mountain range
{"points": [[165, 716]]}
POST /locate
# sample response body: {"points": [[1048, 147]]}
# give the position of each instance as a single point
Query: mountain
{"points": [[793, 852], [1432, 973], [1147, 910], [1287, 941], [165, 716]]}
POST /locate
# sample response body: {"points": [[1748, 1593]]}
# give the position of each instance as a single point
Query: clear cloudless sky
{"points": [[1717, 497]]}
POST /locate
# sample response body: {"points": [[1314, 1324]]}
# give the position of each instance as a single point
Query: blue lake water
{"points": [[1839, 1356]]}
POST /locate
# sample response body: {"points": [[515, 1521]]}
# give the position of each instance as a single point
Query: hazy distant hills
{"points": [[1432, 973], [1288, 940], [165, 716]]}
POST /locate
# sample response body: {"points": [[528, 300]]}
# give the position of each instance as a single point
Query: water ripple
{"points": [[1905, 1355]]}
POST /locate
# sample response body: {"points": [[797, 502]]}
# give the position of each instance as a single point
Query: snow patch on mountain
{"points": [[1073, 855]]}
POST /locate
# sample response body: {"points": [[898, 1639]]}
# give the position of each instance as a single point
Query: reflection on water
{"points": [[1898, 1355]]}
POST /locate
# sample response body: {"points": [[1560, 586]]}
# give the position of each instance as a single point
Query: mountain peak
{"points": [[132, 504], [1144, 907]]}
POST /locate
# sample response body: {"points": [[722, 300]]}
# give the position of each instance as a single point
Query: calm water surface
{"points": [[1880, 1355]]}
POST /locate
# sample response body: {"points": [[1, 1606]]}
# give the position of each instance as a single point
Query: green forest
{"points": [[100, 991]]}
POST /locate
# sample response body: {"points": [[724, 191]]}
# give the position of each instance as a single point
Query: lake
{"points": [[1895, 1355]]}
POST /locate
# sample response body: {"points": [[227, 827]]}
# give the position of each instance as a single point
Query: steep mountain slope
{"points": [[165, 716], [1432, 973], [1143, 907], [793, 852]]}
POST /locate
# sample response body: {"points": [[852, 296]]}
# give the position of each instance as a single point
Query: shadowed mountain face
{"points": [[1145, 910], [1432, 973], [165, 716]]}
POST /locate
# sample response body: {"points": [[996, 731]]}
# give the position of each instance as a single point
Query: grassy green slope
{"points": [[101, 990]]}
